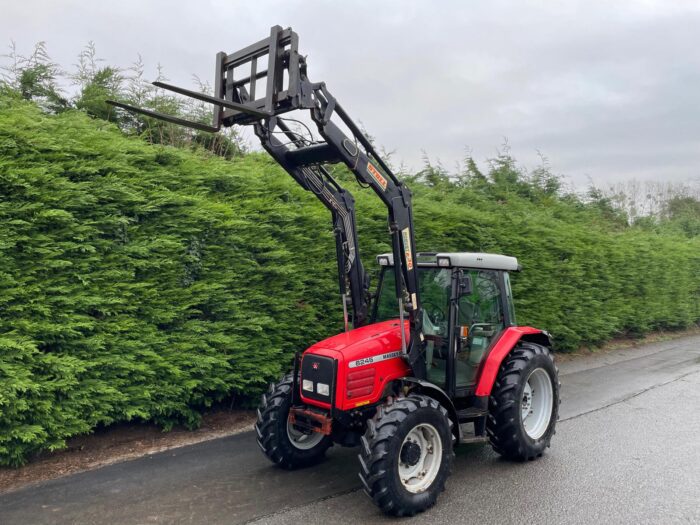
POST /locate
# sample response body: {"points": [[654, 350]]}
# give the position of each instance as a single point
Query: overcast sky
{"points": [[608, 90]]}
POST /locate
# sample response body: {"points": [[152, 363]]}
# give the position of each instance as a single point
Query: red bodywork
{"points": [[362, 343], [499, 351], [357, 351]]}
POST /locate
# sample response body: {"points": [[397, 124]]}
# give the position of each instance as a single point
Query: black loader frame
{"points": [[237, 100]]}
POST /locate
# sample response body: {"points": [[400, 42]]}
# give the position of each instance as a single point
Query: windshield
{"points": [[435, 287], [479, 318]]}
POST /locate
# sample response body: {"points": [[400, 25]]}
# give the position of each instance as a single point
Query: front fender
{"points": [[501, 348], [437, 393]]}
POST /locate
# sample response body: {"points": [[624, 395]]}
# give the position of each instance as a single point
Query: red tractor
{"points": [[357, 388], [434, 357]]}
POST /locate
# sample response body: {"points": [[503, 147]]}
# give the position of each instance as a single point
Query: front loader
{"points": [[434, 357]]}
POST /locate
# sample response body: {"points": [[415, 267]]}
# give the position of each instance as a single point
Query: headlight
{"points": [[323, 389], [307, 385]]}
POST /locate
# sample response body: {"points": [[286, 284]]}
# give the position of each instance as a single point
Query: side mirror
{"points": [[465, 285]]}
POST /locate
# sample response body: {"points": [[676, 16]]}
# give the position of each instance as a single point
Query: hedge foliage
{"points": [[146, 282]]}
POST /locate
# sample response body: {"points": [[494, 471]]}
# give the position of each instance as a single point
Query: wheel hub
{"points": [[537, 403], [420, 458], [527, 400], [410, 453], [301, 439]]}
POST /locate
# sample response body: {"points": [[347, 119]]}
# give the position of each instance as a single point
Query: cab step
{"points": [[469, 435], [466, 415], [468, 439]]}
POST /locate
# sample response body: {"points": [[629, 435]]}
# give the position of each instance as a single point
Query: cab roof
{"points": [[489, 261]]}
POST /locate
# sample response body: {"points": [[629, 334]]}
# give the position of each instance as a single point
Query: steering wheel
{"points": [[436, 315]]}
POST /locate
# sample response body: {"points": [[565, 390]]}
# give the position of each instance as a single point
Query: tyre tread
{"points": [[375, 447], [502, 428], [267, 432]]}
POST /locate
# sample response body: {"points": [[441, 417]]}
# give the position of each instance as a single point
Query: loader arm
{"points": [[353, 280], [237, 100]]}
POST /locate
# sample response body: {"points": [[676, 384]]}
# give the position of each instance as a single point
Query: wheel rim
{"points": [[420, 458], [537, 402], [301, 440]]}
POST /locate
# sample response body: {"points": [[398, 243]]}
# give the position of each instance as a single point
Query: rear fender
{"points": [[542, 338], [500, 350], [429, 389]]}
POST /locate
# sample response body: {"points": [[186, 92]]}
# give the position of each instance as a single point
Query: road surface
{"points": [[627, 450]]}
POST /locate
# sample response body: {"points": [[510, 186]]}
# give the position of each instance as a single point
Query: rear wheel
{"points": [[284, 444], [524, 403], [406, 455]]}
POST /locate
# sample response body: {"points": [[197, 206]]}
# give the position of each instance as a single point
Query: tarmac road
{"points": [[627, 450]]}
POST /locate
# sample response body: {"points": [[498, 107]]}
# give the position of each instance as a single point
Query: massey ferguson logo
{"points": [[314, 365]]}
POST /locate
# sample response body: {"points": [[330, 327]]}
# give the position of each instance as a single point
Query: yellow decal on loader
{"points": [[377, 176], [406, 233]]}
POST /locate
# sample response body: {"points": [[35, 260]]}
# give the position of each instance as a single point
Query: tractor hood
{"points": [[368, 359], [369, 340]]}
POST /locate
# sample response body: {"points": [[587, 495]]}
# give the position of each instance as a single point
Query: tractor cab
{"points": [[466, 304]]}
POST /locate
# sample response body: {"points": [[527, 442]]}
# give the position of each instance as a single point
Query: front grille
{"points": [[318, 370], [361, 382]]}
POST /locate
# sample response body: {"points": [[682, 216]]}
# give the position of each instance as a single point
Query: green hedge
{"points": [[142, 282]]}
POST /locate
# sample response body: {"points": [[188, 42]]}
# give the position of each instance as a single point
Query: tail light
{"points": [[360, 383]]}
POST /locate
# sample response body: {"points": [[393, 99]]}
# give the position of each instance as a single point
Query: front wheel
{"points": [[524, 403], [406, 455], [283, 443]]}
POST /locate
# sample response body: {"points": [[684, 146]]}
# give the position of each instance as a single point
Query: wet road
{"points": [[627, 450]]}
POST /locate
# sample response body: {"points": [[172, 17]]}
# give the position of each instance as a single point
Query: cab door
{"points": [[480, 319], [436, 289]]}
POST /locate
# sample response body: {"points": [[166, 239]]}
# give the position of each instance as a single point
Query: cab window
{"points": [[481, 317]]}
